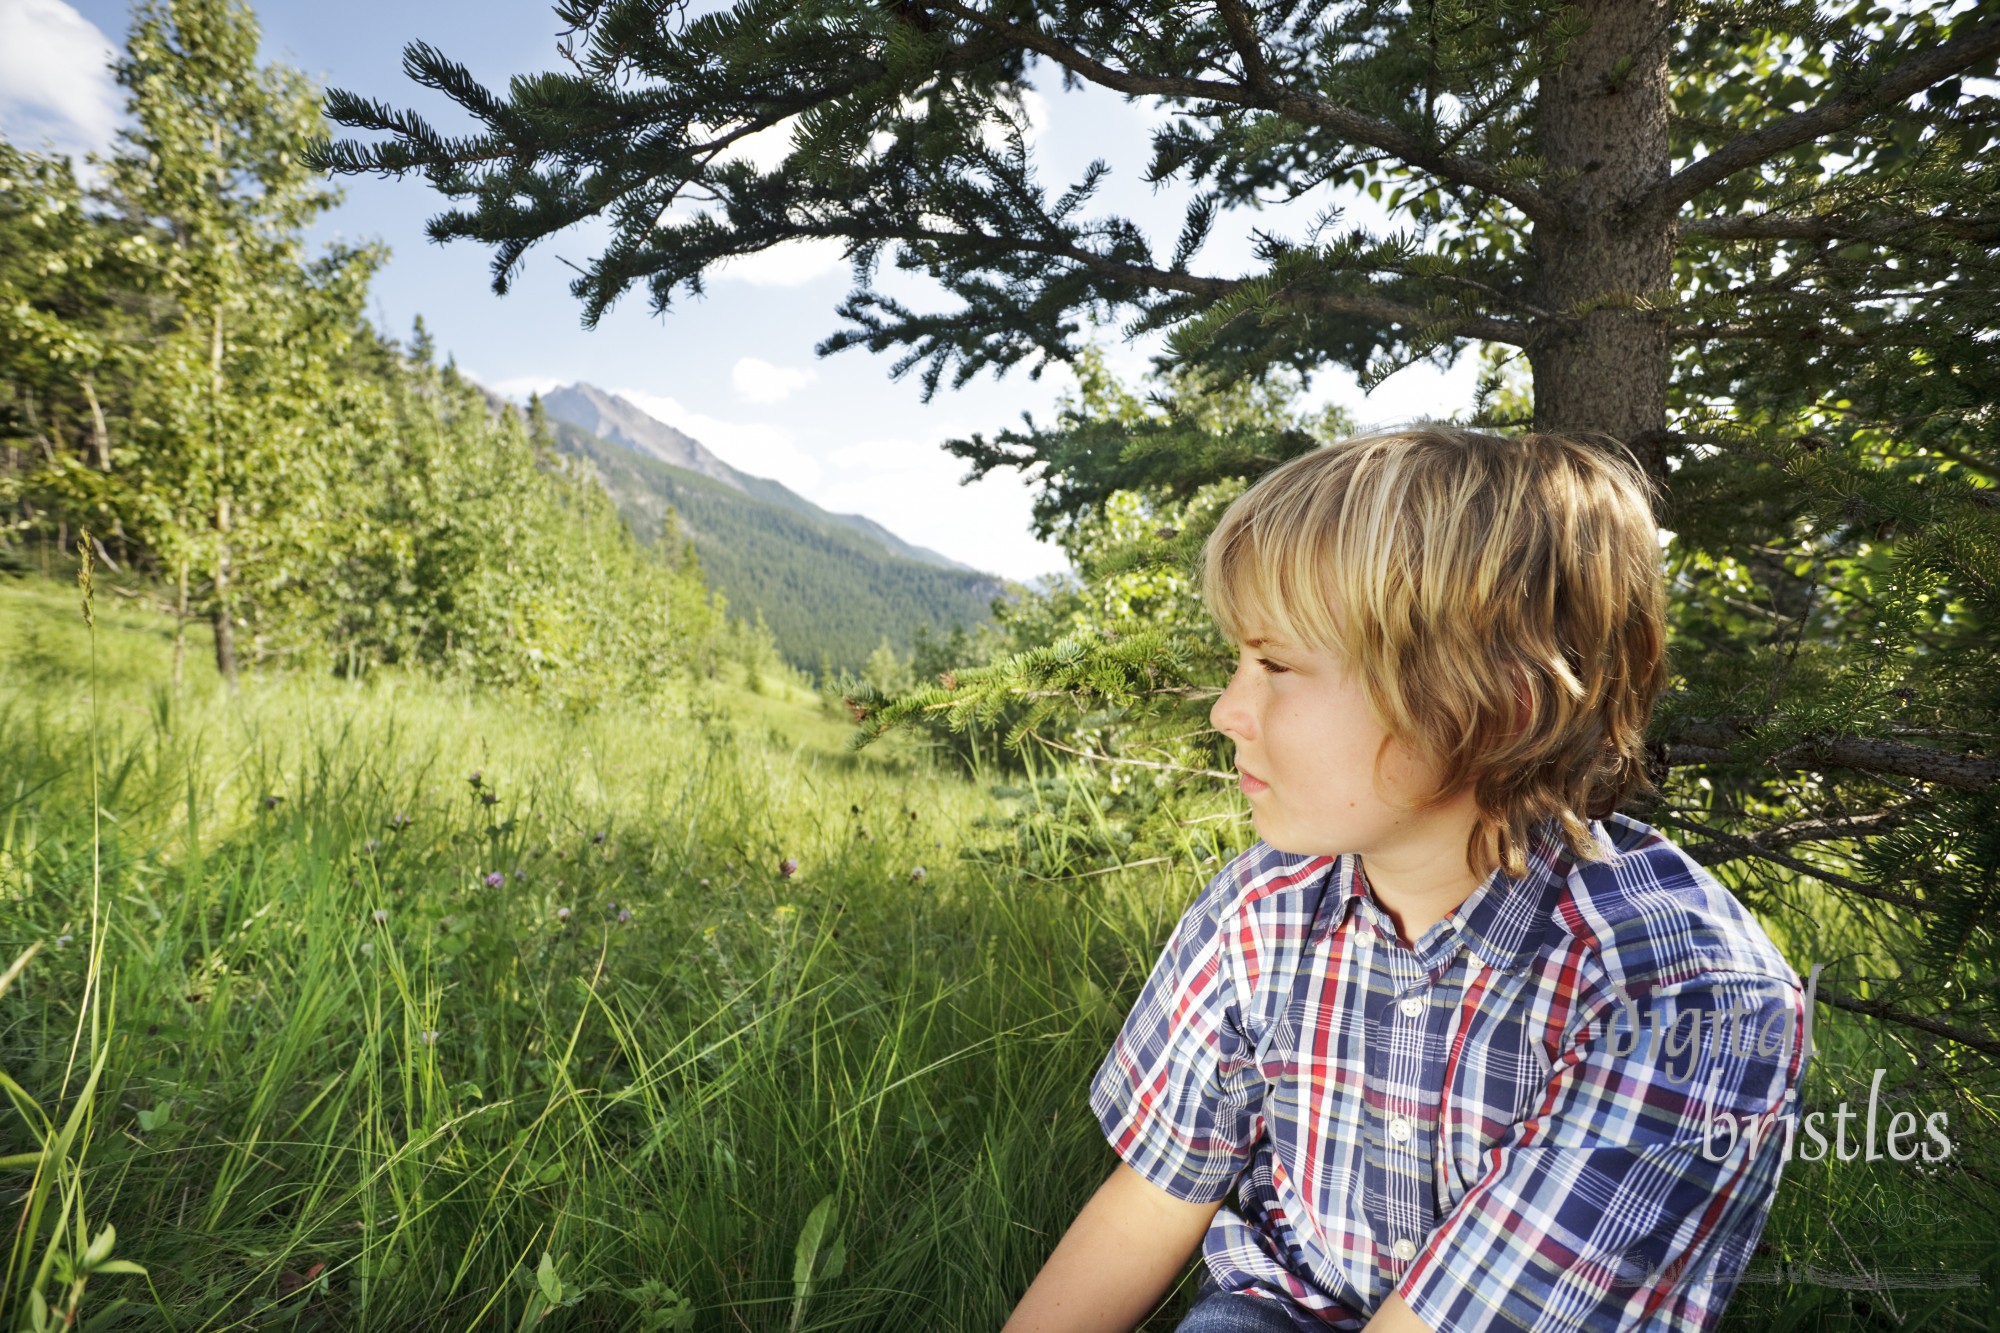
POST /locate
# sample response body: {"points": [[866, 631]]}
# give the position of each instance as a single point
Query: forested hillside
{"points": [[620, 421], [828, 593], [189, 391]]}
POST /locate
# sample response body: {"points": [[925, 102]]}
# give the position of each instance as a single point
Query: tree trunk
{"points": [[225, 629], [1600, 366], [100, 436]]}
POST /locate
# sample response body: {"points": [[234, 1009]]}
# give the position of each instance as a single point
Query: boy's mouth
{"points": [[1250, 782]]}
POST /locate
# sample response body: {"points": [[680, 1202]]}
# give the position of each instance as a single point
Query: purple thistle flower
{"points": [[562, 915], [475, 780], [488, 798], [381, 916], [520, 877], [624, 918], [271, 802], [917, 872], [598, 837], [495, 879], [788, 867], [399, 821]]}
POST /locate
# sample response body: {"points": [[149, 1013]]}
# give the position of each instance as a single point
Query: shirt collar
{"points": [[1504, 920]]}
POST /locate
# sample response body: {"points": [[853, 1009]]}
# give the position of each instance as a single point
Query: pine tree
{"points": [[1754, 242]]}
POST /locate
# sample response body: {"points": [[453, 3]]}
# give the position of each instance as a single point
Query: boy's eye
{"points": [[1272, 667]]}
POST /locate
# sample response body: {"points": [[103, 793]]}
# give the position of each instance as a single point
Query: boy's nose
{"points": [[1227, 714]]}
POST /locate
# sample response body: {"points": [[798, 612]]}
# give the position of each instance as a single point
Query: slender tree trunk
{"points": [[100, 437], [1600, 366], [219, 615]]}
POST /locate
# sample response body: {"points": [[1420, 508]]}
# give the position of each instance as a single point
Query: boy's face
{"points": [[1306, 746]]}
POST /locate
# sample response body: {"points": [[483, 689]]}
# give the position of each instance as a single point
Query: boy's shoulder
{"points": [[1653, 915]]}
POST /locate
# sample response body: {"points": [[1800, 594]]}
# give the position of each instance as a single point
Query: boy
{"points": [[1454, 1034]]}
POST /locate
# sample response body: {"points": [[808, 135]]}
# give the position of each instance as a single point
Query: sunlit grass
{"points": [[385, 1047]]}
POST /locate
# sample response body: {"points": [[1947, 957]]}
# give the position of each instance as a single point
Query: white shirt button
{"points": [[1364, 935], [1411, 1005], [1404, 1249], [1399, 1129]]}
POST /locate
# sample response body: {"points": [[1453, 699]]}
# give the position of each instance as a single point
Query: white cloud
{"points": [[756, 447], [768, 147], [759, 381], [1419, 392], [1034, 110], [520, 387], [787, 264], [913, 489], [56, 87]]}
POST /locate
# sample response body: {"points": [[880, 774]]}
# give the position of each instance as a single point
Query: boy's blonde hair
{"points": [[1499, 599]]}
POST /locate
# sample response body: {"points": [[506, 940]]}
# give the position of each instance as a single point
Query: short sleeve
{"points": [[1179, 1096], [1632, 1195]]}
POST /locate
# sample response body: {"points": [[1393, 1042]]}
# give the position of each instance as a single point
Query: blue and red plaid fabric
{"points": [[1515, 1123]]}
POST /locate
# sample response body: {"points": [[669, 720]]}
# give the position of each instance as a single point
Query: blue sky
{"points": [[735, 369]]}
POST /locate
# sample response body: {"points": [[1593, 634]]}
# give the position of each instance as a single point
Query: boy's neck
{"points": [[1423, 877]]}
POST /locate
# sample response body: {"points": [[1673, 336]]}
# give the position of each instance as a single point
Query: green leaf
{"points": [[100, 1248], [119, 1266], [546, 1279], [807, 1249]]}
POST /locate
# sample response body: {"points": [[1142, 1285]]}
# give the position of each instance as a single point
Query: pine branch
{"points": [[1719, 848], [1305, 108], [1096, 758], [1922, 1023], [1979, 227], [1709, 741], [1884, 90], [1242, 27]]}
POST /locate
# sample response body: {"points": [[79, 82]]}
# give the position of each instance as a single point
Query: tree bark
{"points": [[1600, 365], [219, 617]]}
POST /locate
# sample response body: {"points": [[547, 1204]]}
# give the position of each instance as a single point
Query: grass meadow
{"points": [[393, 1006]]}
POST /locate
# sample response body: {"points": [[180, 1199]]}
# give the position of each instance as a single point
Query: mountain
{"points": [[610, 417], [827, 585]]}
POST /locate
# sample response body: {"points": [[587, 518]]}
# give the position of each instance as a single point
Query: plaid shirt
{"points": [[1514, 1123]]}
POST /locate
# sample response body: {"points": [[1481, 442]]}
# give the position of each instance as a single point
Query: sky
{"points": [[735, 369]]}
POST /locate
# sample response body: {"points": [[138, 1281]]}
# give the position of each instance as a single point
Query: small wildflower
{"points": [[495, 879], [488, 798], [368, 946], [475, 780], [372, 845], [788, 867], [520, 877], [429, 1036], [399, 821], [562, 914], [64, 941], [613, 904], [597, 838], [624, 918], [381, 916], [918, 872], [704, 884], [271, 802]]}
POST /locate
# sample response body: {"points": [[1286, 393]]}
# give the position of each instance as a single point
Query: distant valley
{"points": [[830, 586]]}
